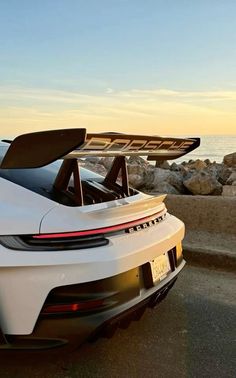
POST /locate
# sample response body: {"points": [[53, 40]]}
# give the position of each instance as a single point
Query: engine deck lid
{"points": [[101, 215]]}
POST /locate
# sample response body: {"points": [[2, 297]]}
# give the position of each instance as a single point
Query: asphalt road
{"points": [[191, 334]]}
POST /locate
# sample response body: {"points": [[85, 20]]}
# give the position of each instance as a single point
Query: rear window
{"points": [[41, 180]]}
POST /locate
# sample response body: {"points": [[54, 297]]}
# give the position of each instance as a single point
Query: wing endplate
{"points": [[38, 149]]}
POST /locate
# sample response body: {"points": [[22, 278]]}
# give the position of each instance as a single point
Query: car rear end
{"points": [[85, 269]]}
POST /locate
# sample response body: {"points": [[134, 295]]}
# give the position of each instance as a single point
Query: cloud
{"points": [[109, 90], [157, 111]]}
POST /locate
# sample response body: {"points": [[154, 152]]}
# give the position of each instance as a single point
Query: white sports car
{"points": [[81, 254]]}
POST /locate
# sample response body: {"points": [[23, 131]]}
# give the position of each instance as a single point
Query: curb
{"points": [[208, 258]]}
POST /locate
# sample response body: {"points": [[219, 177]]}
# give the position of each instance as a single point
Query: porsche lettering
{"points": [[107, 144], [148, 224]]}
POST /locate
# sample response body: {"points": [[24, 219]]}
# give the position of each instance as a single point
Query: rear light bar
{"points": [[104, 230], [77, 239]]}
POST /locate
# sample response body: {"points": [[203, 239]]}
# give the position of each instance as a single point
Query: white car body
{"points": [[28, 276]]}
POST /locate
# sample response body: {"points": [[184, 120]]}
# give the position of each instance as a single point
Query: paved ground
{"points": [[191, 334]]}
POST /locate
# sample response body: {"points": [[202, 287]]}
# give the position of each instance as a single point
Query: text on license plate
{"points": [[160, 267]]}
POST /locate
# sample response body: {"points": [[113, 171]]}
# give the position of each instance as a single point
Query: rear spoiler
{"points": [[38, 149]]}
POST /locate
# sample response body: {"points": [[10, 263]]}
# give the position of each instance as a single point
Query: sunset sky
{"points": [[154, 66]]}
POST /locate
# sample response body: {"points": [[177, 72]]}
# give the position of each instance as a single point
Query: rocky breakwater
{"points": [[193, 177]]}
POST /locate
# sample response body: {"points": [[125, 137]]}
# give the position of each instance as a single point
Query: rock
{"points": [[137, 160], [92, 160], [197, 165], [175, 167], [229, 191], [164, 187], [202, 183], [176, 180], [231, 178], [230, 160], [184, 171], [160, 176], [195, 177], [156, 177], [136, 169], [162, 164], [225, 173], [100, 170], [107, 162], [214, 169], [137, 165], [145, 175], [97, 168], [136, 181]]}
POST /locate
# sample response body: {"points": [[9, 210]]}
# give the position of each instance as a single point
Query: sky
{"points": [[161, 67]]}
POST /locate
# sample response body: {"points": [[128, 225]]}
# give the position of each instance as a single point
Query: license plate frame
{"points": [[160, 267]]}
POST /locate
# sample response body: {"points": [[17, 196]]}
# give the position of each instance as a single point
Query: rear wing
{"points": [[38, 149]]}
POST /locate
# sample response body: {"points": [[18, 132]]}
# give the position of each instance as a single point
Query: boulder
{"points": [[140, 172], [197, 165], [92, 160], [214, 169], [97, 168], [137, 160], [230, 160], [176, 180], [195, 177], [185, 172], [202, 183], [136, 181], [160, 176], [164, 188], [175, 167], [107, 162], [224, 174], [136, 169], [162, 164], [231, 178]]}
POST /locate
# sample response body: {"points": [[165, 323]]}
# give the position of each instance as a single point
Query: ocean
{"points": [[213, 147]]}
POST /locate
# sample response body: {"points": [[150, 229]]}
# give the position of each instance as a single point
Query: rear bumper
{"points": [[134, 313], [53, 331], [26, 278]]}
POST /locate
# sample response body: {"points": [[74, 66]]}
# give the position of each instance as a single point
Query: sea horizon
{"points": [[212, 147]]}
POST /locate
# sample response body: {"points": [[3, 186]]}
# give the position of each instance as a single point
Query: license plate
{"points": [[160, 267]]}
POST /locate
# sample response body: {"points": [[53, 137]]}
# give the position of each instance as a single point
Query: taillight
{"points": [[73, 308], [78, 239], [29, 243], [104, 230]]}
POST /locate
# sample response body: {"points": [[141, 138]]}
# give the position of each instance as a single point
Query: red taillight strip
{"points": [[103, 230]]}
